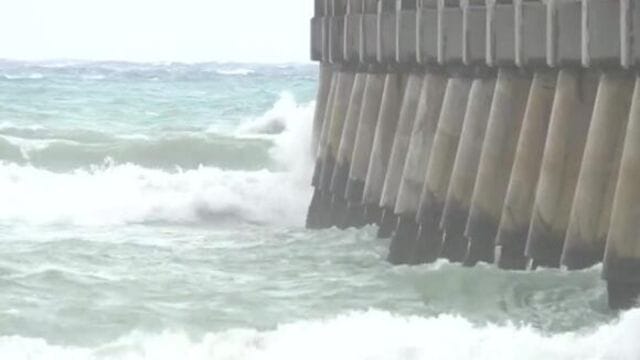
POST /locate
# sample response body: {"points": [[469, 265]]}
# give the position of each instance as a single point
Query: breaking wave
{"points": [[362, 335], [204, 178]]}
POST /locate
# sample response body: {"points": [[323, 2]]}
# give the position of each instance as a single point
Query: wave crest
{"points": [[128, 194]]}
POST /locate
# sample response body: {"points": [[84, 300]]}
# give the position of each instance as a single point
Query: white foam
{"points": [[33, 76], [235, 72], [125, 194], [275, 120], [368, 335]]}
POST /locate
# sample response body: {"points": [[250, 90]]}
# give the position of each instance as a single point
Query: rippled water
{"points": [[155, 211]]}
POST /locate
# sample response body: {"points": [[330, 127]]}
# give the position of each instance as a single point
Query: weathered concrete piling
{"points": [[505, 119], [436, 183], [399, 153], [483, 130], [567, 134], [591, 210], [382, 144], [463, 176], [415, 166], [518, 204], [343, 161], [363, 144], [622, 260]]}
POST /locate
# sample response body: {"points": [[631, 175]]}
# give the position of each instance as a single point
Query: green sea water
{"points": [[156, 211]]}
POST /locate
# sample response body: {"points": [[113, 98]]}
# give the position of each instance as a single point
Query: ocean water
{"points": [[156, 211]]}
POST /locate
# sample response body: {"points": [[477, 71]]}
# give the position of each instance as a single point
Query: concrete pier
{"points": [[334, 137], [622, 258], [399, 151], [382, 144], [465, 169], [320, 202], [498, 131], [516, 211], [325, 80], [566, 138], [340, 176], [363, 144], [496, 161], [436, 184], [415, 166], [589, 221]]}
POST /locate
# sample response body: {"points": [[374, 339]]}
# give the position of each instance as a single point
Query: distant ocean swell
{"points": [[368, 335], [258, 175]]}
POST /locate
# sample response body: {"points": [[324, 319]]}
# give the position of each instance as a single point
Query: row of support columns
{"points": [[523, 168]]}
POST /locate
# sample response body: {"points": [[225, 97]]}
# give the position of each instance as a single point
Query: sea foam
{"points": [[116, 193], [368, 335]]}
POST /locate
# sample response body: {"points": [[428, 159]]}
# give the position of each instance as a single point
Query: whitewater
{"points": [[156, 211]]}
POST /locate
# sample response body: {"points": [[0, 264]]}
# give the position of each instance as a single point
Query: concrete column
{"points": [[319, 203], [322, 100], [501, 33], [450, 27], [399, 152], [336, 30], [496, 161], [465, 169], [415, 166], [317, 29], [334, 136], [531, 43], [353, 30], [387, 28], [516, 212], [436, 184], [369, 33], [382, 143], [589, 221], [364, 142], [570, 118], [427, 29], [406, 31], [345, 152], [622, 258]]}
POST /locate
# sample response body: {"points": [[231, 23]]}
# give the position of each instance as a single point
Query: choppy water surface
{"points": [[155, 211]]}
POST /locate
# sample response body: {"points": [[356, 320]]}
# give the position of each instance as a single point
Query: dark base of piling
{"points": [[575, 258], [622, 295], [356, 216], [319, 215], [354, 191], [543, 246], [387, 224], [512, 245], [373, 214], [428, 245], [455, 244], [481, 231], [403, 242], [338, 213], [326, 174]]}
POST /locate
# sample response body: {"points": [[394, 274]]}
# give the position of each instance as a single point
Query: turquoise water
{"points": [[156, 211]]}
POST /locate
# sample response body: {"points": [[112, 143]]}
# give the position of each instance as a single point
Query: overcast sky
{"points": [[156, 30]]}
